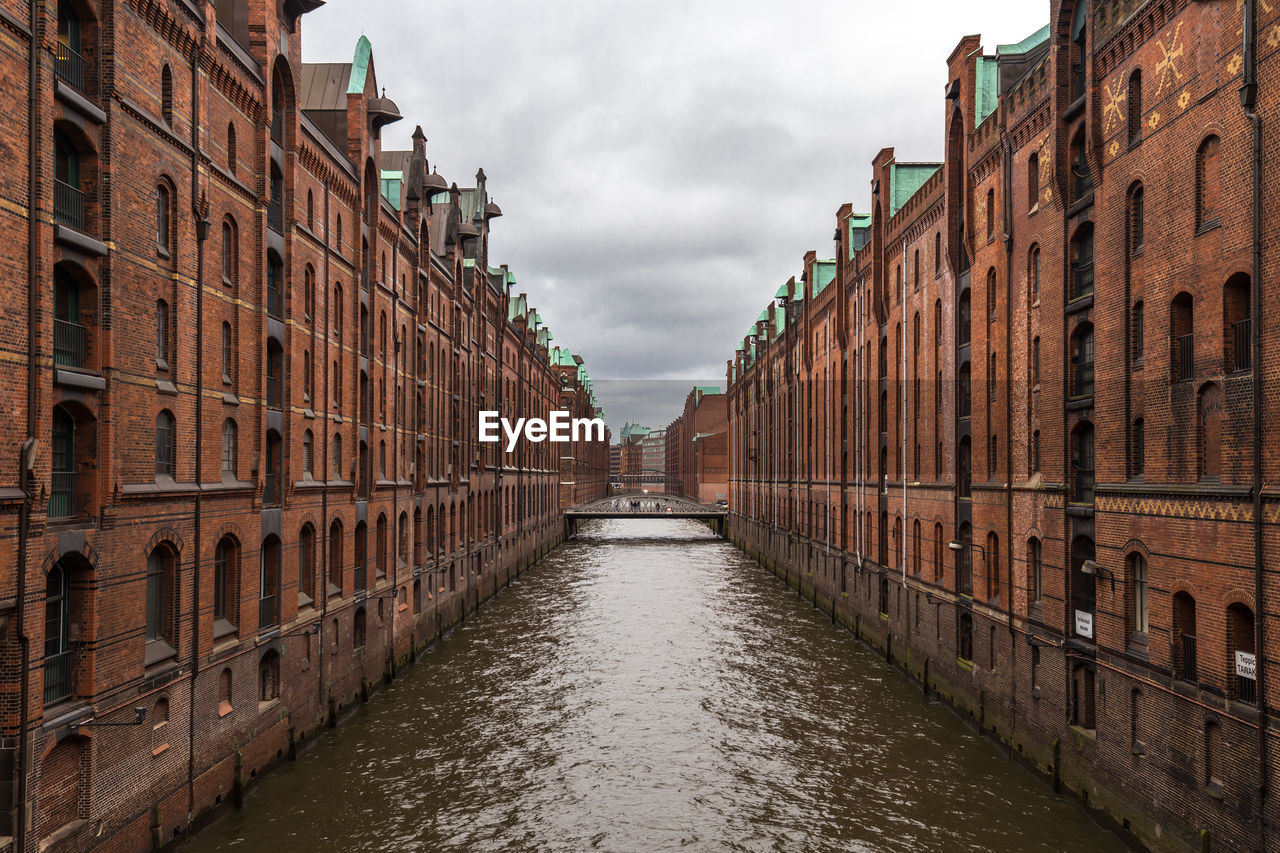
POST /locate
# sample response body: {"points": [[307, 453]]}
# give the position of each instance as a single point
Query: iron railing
{"points": [[1188, 662], [275, 215], [1081, 280], [57, 676], [1246, 689], [1082, 379], [68, 205], [62, 495], [69, 67], [1241, 345], [68, 343], [1183, 358]]}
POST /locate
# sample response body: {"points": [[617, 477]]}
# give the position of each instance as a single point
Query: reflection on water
{"points": [[647, 687]]}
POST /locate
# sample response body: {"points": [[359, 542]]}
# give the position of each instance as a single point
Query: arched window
{"points": [[1241, 653], [226, 565], [1139, 605], [230, 252], [164, 217], [166, 95], [1033, 180], [229, 448], [1181, 330], [915, 270], [269, 676], [991, 215], [362, 554], [991, 298], [69, 197], [1209, 430], [59, 666], [1081, 177], [1236, 322], [306, 565], [1135, 107], [309, 293], [358, 629], [162, 334], [231, 148], [336, 310], [1079, 48], [335, 557], [1083, 596], [964, 391], [166, 437], [1033, 273], [381, 567], [1184, 636], [308, 455], [63, 494], [228, 354], [963, 323], [1137, 219], [1035, 571], [311, 210], [269, 583], [964, 558], [1082, 362], [1082, 262], [1208, 187], [937, 254], [336, 473], [161, 564]]}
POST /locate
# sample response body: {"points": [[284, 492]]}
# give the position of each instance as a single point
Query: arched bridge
{"points": [[639, 505]]}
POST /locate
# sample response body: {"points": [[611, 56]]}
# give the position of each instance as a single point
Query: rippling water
{"points": [[647, 687]]}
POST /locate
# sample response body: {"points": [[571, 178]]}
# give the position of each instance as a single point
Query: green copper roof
{"points": [[440, 198], [1029, 43], [859, 232], [779, 321], [824, 272], [516, 308], [391, 184], [469, 263], [360, 66], [986, 88], [906, 179], [708, 390], [782, 293]]}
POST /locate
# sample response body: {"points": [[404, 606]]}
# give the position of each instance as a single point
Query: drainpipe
{"points": [[199, 209], [858, 414], [1249, 100], [902, 413], [321, 578], [1008, 425], [29, 447]]}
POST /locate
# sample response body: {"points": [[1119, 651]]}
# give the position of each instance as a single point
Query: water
{"points": [[648, 688]]}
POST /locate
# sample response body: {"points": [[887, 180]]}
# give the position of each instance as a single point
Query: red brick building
{"points": [[1015, 434], [247, 349], [697, 447]]}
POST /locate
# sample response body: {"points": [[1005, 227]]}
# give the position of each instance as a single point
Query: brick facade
{"points": [[247, 349], [1007, 435], [698, 448]]}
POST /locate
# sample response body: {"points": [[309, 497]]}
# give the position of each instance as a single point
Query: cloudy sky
{"points": [[663, 165]]}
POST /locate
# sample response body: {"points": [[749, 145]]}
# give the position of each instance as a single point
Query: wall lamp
{"points": [[139, 716], [1090, 567], [958, 547]]}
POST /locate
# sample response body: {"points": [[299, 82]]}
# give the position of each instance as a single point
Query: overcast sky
{"points": [[663, 165]]}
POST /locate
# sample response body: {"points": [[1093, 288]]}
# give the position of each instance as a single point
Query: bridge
{"points": [[640, 505]]}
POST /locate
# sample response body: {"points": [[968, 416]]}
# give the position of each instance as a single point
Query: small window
{"points": [[1033, 180], [1137, 339], [1137, 217], [228, 354], [937, 254], [231, 148], [308, 442], [1140, 621], [229, 447], [1033, 273], [230, 253], [1138, 449], [965, 644], [991, 215], [163, 225], [1035, 571], [337, 457], [1135, 107], [166, 95], [162, 334], [165, 442], [159, 580], [1207, 183]]}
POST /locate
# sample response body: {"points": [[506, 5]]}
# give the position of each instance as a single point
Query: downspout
{"points": [[1249, 100], [29, 447], [857, 418], [200, 213], [322, 580], [902, 413], [1008, 425]]}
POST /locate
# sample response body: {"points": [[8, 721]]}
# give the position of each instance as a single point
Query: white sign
{"points": [[561, 428], [1246, 665], [1084, 624]]}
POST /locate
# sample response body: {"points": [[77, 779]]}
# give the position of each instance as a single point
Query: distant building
{"points": [[697, 451]]}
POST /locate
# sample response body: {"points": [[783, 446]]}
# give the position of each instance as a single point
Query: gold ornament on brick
{"points": [[1167, 68], [1112, 112]]}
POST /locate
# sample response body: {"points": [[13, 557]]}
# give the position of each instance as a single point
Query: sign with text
{"points": [[1084, 624], [1246, 665]]}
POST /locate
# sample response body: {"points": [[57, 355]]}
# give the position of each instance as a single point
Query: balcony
{"points": [[1183, 358], [68, 343], [275, 301], [62, 495], [69, 67], [1241, 346], [68, 205], [57, 677], [275, 214], [268, 612], [275, 391]]}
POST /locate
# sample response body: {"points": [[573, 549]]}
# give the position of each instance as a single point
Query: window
{"points": [[309, 293], [1033, 273], [993, 566], [1082, 362], [1033, 180], [1139, 620], [70, 65], [230, 253], [915, 548], [1035, 571], [59, 669], [1241, 653], [307, 385], [166, 95], [273, 482], [1035, 451], [964, 391], [991, 215], [337, 458], [335, 558], [1082, 262], [337, 385], [1083, 591], [1035, 360], [311, 210], [69, 197], [991, 375], [937, 254], [965, 644], [159, 572], [1182, 358], [163, 216], [308, 442], [229, 448], [337, 311], [1207, 183], [1135, 107], [269, 583], [1237, 324], [269, 676], [1079, 53], [225, 565], [1136, 341], [1138, 449], [964, 559], [991, 298], [231, 148], [915, 271], [165, 449], [1184, 636], [162, 334], [358, 629], [1082, 463], [1137, 217], [993, 455], [963, 320], [937, 552], [306, 565]]}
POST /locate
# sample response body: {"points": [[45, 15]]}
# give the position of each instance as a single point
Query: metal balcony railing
{"points": [[68, 343], [1241, 345], [275, 215], [1246, 689], [69, 66], [68, 205], [62, 495], [1183, 358], [1188, 662], [275, 304], [57, 677]]}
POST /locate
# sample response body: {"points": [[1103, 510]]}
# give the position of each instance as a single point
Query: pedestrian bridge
{"points": [[638, 505]]}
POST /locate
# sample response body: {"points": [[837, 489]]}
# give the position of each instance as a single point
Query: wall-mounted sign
{"points": [[1246, 665], [1084, 624]]}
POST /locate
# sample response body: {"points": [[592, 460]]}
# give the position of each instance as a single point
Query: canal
{"points": [[648, 688]]}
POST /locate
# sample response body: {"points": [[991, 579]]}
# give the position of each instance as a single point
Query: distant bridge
{"points": [[641, 505]]}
